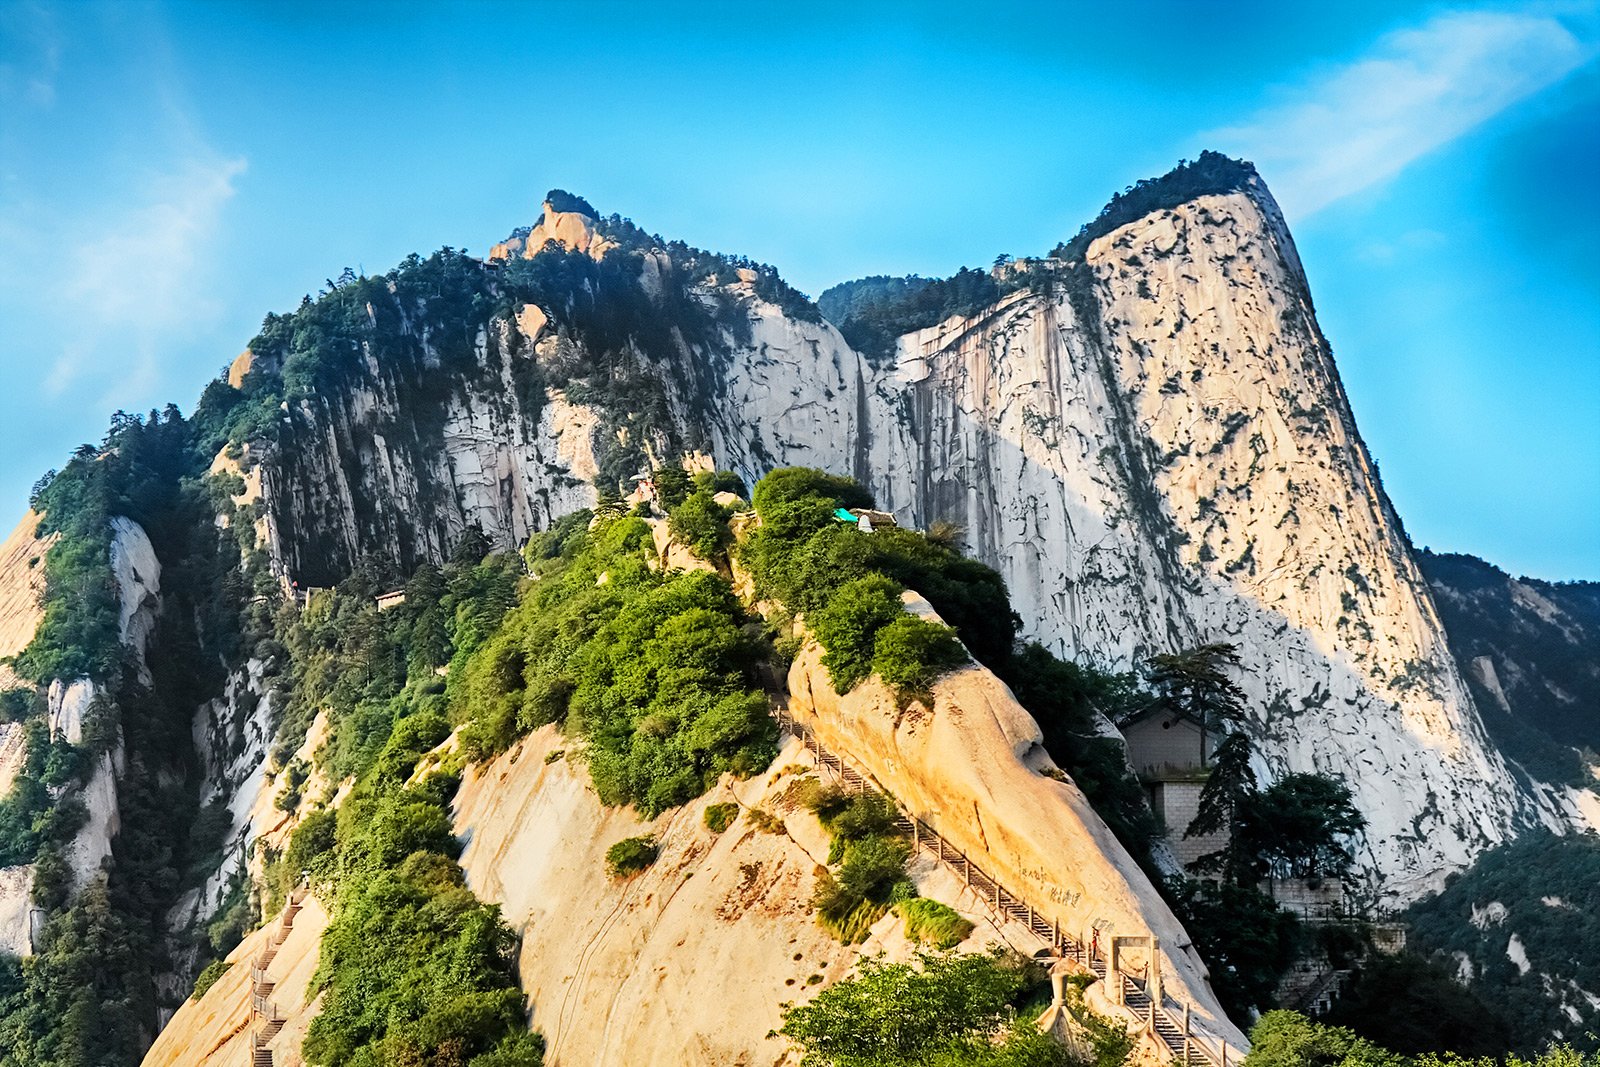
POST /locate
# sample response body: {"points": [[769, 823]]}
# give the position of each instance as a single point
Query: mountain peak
{"points": [[1211, 174], [568, 220]]}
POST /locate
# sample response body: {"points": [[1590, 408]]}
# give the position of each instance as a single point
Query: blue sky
{"points": [[169, 173]]}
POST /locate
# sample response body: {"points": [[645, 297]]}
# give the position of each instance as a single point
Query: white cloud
{"points": [[1359, 125], [134, 281]]}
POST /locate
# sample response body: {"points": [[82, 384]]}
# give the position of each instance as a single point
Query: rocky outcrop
{"points": [[69, 705], [689, 961], [369, 471], [572, 230], [232, 738], [973, 767], [21, 587], [1160, 454]]}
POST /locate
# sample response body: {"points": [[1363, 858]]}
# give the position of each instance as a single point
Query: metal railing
{"points": [[266, 1020], [1178, 1040]]}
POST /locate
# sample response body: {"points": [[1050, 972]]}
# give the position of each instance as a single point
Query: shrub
{"points": [[933, 923], [848, 627], [855, 818], [702, 524], [715, 482], [849, 902], [721, 816], [765, 821], [788, 485], [672, 486], [631, 855], [911, 653], [943, 1009], [1288, 1039], [208, 977]]}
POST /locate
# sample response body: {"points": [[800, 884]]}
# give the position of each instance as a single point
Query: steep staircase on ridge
{"points": [[266, 1020], [1156, 1021]]}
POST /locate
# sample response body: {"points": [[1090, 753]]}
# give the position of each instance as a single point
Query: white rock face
{"points": [[138, 576], [1182, 468], [232, 737], [1155, 454], [506, 463]]}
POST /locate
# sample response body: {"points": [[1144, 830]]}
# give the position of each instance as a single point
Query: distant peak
{"points": [[568, 220], [1212, 174], [563, 201]]}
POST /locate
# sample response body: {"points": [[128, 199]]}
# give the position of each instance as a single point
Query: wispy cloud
{"points": [[133, 282], [1357, 126]]}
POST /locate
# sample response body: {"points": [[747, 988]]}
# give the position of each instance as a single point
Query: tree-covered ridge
{"points": [[88, 995], [1211, 174], [1288, 1039], [1552, 918], [1538, 638], [846, 300], [872, 312]]}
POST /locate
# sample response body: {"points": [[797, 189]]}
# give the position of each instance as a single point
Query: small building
{"points": [[391, 599], [866, 519], [1171, 754]]}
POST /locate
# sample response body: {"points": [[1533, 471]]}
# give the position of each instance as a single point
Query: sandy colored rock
{"points": [[21, 589], [688, 962], [571, 230], [239, 368], [973, 768], [214, 1031]]}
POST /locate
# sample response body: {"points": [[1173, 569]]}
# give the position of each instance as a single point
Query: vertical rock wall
{"points": [[1154, 454]]}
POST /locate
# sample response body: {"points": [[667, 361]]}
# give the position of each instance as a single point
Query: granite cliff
{"points": [[1146, 435]]}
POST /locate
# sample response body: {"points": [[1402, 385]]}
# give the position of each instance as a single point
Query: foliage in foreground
{"points": [[870, 856], [414, 969], [941, 1011], [1289, 1039]]}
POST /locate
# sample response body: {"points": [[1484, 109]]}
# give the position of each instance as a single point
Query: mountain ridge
{"points": [[1145, 434]]}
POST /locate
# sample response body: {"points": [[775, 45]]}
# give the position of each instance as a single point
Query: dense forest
{"points": [[1543, 708]]}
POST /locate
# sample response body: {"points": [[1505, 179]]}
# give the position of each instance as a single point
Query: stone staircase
{"points": [[265, 1018], [1157, 1022]]}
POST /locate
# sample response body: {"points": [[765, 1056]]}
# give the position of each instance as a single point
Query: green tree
{"points": [[1298, 826], [911, 653], [943, 1009], [1224, 801], [702, 524], [1413, 1006], [848, 626], [1289, 1039], [672, 486], [1195, 683]]}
